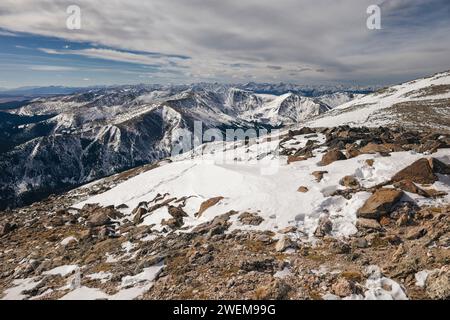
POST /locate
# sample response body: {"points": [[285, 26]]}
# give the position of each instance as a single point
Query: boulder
{"points": [[177, 212], [138, 215], [370, 224], [303, 189], [277, 289], [372, 148], [319, 175], [409, 186], [419, 172], [349, 182], [251, 219], [381, 203], [343, 288], [292, 159], [332, 156], [284, 243]]}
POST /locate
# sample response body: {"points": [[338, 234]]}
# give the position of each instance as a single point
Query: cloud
{"points": [[235, 38], [116, 55], [51, 68]]}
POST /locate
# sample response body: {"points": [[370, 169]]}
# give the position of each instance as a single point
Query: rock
{"points": [[277, 289], [122, 206], [343, 288], [105, 232], [403, 220], [399, 252], [298, 132], [409, 186], [284, 243], [303, 189], [177, 212], [438, 284], [290, 229], [292, 159], [381, 203], [438, 166], [207, 204], [352, 153], [7, 228], [102, 216], [416, 233], [385, 221], [319, 175], [138, 215], [339, 247], [217, 224], [332, 156], [371, 148], [349, 182], [419, 172], [360, 243], [324, 227], [260, 264], [85, 234], [99, 219], [371, 224], [172, 223], [370, 162], [251, 219]]}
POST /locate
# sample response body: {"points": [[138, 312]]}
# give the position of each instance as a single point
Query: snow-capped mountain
{"points": [[419, 103], [59, 142]]}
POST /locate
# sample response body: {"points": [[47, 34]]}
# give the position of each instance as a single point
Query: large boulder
{"points": [[380, 204], [332, 156], [419, 172]]}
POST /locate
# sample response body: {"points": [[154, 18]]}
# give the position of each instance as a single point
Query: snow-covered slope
{"points": [[423, 102], [260, 180]]}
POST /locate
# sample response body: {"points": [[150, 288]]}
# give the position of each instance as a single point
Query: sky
{"points": [[230, 41]]}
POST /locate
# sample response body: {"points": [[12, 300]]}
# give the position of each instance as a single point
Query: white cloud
{"points": [[51, 68]]}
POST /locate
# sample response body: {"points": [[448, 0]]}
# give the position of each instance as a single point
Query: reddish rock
{"points": [[332, 156], [409, 186], [292, 159], [319, 175], [380, 203], [303, 189], [418, 172], [208, 204]]}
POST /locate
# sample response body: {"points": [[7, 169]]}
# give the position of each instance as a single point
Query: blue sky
{"points": [[183, 41]]}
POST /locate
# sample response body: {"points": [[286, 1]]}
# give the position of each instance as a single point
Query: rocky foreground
{"points": [[397, 246]]}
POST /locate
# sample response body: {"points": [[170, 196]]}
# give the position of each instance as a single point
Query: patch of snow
{"points": [[62, 270], [20, 285]]}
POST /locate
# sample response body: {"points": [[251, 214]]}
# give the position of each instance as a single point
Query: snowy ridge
{"points": [[383, 106]]}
